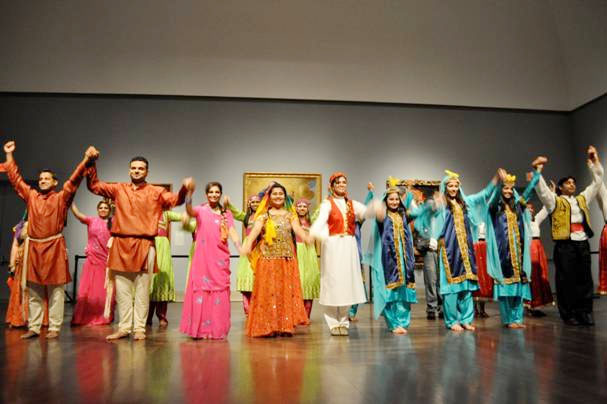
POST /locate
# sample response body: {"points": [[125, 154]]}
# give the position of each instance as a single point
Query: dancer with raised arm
{"points": [[570, 218], [206, 305], [454, 224], [45, 266], [90, 303], [132, 255], [509, 249], [341, 283]]}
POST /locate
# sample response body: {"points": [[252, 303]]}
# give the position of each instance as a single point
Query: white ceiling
{"points": [[537, 54]]}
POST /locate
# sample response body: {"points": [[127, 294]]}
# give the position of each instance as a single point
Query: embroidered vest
{"points": [[336, 219], [561, 218]]}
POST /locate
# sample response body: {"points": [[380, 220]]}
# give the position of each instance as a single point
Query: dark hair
{"points": [[336, 178], [278, 185], [48, 170], [212, 184], [109, 217], [562, 181], [140, 158], [401, 208]]}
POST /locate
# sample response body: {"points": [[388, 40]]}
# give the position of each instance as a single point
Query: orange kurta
{"points": [[47, 261], [135, 222]]}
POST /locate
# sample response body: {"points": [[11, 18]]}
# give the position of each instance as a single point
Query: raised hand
{"points": [[539, 162], [529, 176], [552, 186], [501, 173], [91, 153], [593, 155], [9, 147], [370, 186], [189, 184]]}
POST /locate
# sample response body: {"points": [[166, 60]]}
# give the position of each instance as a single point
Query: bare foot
{"points": [[399, 331], [521, 325], [29, 334], [469, 327], [456, 327], [116, 335], [163, 323], [52, 335], [139, 336]]}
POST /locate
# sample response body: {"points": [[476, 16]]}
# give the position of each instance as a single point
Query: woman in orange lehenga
{"points": [[17, 310], [277, 303]]}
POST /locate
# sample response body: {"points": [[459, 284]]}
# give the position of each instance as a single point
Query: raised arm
{"points": [[79, 215], [484, 196], [543, 191], [99, 187], [71, 185], [541, 215], [526, 195], [237, 213], [190, 186], [170, 199], [14, 176], [596, 170]]}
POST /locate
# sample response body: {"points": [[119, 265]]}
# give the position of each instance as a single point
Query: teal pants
{"points": [[511, 309], [458, 308], [397, 314]]}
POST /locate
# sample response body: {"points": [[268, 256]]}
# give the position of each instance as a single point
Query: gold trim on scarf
{"points": [[514, 242], [399, 236], [462, 242]]}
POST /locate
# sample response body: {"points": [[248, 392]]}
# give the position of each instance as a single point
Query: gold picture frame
{"points": [[298, 185]]}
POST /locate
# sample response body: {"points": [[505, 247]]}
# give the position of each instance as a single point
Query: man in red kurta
{"points": [[45, 260], [139, 206]]}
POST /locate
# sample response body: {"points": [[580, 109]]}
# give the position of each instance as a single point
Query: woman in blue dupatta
{"points": [[454, 224], [509, 225], [392, 262]]}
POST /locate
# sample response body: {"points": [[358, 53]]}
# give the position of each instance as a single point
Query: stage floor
{"points": [[547, 362]]}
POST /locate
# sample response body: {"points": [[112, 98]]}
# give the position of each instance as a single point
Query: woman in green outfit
{"points": [[244, 274], [307, 259], [163, 284]]}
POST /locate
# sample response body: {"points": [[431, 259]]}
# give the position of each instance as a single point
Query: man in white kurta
{"points": [[341, 283]]}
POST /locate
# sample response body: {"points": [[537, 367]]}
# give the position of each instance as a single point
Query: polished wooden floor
{"points": [[547, 362]]}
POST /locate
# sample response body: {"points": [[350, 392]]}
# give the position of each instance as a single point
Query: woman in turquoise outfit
{"points": [[392, 262], [244, 274], [454, 224], [509, 226]]}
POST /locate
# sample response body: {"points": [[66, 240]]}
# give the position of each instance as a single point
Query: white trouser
{"points": [[56, 298], [336, 316], [133, 297]]}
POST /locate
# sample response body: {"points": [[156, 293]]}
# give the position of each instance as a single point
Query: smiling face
{"points": [[138, 171], [452, 188], [277, 197], [254, 204], [568, 187], [340, 186], [103, 210], [213, 195], [46, 182], [393, 201], [301, 209], [507, 192]]}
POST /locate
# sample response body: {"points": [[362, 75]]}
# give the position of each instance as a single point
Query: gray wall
{"points": [[219, 139], [590, 128]]}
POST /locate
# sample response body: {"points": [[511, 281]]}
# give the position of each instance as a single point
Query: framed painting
{"points": [[422, 190], [298, 185]]}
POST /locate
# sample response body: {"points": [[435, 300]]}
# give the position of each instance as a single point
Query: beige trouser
{"points": [[133, 297], [56, 297], [336, 316]]}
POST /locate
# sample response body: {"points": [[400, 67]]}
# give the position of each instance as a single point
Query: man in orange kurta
{"points": [[139, 206], [45, 263]]}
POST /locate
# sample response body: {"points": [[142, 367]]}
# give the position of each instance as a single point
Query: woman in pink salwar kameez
{"points": [[91, 291], [206, 306]]}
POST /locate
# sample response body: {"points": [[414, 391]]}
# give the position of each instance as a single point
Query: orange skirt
{"points": [[485, 282], [16, 312], [541, 293], [277, 304]]}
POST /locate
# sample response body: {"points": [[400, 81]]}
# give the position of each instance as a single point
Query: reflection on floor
{"points": [[548, 362]]}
